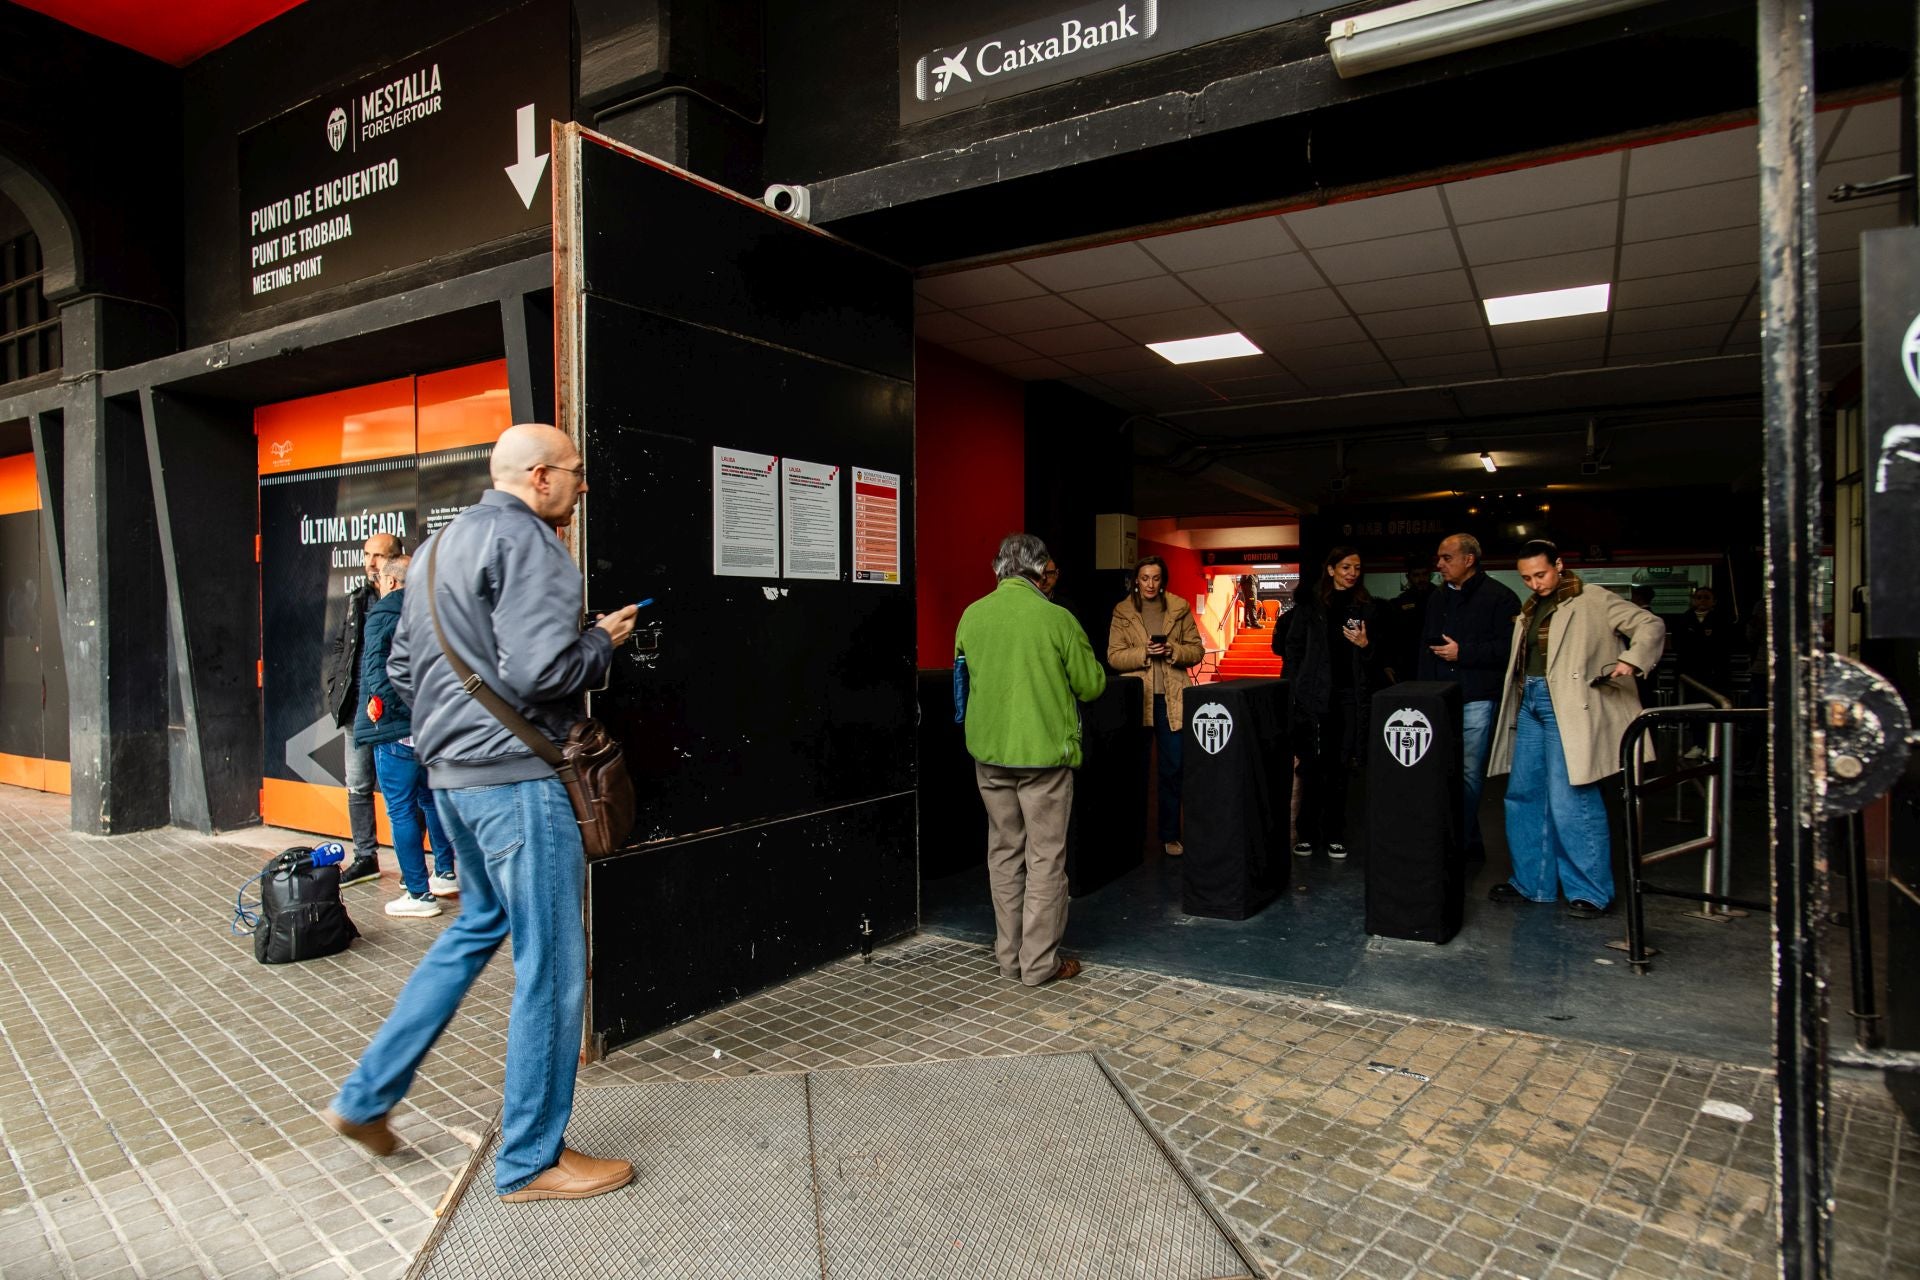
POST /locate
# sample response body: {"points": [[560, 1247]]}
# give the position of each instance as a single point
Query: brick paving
{"points": [[156, 1112]]}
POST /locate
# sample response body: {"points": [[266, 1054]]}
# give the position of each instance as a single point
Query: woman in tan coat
{"points": [[1154, 639], [1569, 697]]}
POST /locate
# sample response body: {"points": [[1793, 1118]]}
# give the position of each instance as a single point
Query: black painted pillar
{"points": [[202, 462], [526, 330], [115, 629]]}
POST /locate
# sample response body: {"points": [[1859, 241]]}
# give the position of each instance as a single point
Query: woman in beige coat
{"points": [[1569, 697], [1154, 639]]}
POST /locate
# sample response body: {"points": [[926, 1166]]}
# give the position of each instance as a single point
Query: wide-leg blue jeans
{"points": [[1476, 740], [1556, 832], [522, 872]]}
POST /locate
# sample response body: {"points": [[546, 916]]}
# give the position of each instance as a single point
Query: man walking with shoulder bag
{"points": [[508, 598]]}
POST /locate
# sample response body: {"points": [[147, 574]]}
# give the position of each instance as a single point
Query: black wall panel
{"points": [[772, 734]]}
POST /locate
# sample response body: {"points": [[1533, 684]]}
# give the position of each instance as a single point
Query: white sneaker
{"points": [[446, 886], [1336, 850], [422, 907]]}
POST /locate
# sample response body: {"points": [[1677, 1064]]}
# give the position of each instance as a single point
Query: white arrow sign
{"points": [[527, 171]]}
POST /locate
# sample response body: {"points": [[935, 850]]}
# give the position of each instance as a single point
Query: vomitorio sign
{"points": [[954, 56]]}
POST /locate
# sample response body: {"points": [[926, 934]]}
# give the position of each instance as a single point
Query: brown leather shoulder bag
{"points": [[590, 764]]}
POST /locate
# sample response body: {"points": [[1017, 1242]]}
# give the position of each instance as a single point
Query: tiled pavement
{"points": [[156, 1115]]}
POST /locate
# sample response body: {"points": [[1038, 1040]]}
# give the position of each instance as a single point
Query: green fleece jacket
{"points": [[1027, 660]]}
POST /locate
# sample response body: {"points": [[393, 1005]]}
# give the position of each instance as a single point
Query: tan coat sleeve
{"points": [[1646, 634], [1126, 639], [1183, 639]]}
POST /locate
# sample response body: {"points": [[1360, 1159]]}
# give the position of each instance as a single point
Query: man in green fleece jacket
{"points": [[1025, 661]]}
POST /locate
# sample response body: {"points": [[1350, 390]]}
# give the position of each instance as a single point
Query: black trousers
{"points": [[1329, 751]]}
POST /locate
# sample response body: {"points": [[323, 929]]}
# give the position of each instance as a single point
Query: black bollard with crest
{"points": [[1416, 884]]}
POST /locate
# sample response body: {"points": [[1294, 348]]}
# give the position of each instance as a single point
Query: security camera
{"points": [[793, 201]]}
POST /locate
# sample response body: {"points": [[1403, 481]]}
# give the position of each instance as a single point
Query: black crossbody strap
{"points": [[485, 696]]}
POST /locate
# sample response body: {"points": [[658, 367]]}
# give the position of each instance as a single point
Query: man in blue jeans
{"points": [[509, 601], [384, 723], [1468, 638]]}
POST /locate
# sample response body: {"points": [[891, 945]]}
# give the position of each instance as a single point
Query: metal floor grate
{"points": [[974, 1170]]}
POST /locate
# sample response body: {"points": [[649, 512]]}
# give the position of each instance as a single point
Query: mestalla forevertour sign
{"points": [[435, 152], [955, 56]]}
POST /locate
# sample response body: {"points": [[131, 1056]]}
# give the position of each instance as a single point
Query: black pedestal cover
{"points": [[1106, 837], [1416, 884], [1237, 786]]}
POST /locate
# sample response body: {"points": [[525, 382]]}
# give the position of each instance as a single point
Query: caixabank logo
{"points": [[1044, 44]]}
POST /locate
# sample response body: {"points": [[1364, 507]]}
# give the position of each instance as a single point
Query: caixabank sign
{"points": [[958, 56], [434, 151]]}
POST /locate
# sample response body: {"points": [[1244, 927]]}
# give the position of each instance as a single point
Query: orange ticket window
{"points": [[33, 680]]}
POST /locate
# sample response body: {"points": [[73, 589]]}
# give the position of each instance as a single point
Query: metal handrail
{"points": [[1717, 843]]}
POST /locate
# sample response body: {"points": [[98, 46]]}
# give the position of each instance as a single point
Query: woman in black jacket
{"points": [[1329, 665]]}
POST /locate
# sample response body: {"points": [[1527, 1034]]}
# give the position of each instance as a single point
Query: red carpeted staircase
{"points": [[1250, 656]]}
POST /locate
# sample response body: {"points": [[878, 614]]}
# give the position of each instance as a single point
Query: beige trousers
{"points": [[1027, 812]]}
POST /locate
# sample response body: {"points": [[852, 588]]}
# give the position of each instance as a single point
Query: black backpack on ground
{"points": [[301, 917]]}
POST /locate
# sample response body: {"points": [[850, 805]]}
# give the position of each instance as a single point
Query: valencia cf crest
{"points": [[1408, 733], [1212, 727]]}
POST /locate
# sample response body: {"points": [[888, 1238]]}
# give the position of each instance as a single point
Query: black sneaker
{"points": [[1336, 850], [1581, 909], [359, 871], [1505, 892]]}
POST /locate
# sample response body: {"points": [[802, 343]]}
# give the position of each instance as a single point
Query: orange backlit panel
{"points": [[19, 486], [463, 406], [356, 425]]}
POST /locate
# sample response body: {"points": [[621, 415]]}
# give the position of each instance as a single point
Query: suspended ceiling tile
{"points": [[948, 326], [1679, 315], [1417, 346], [1692, 162], [1536, 189], [1034, 370], [1690, 209], [1535, 275], [1344, 356], [1542, 235], [977, 287], [1089, 268], [1453, 315], [1845, 293], [1268, 386], [1373, 218], [1867, 129], [923, 305], [1262, 277], [1134, 298], [1212, 373], [1689, 286], [1353, 378], [1463, 364], [1585, 351], [1842, 227], [1213, 246], [1665, 341], [1857, 169], [1838, 264], [1397, 256], [1409, 291], [1619, 357], [1533, 333], [1150, 382], [1300, 337], [1116, 360], [1073, 338], [1172, 326], [994, 350], [1736, 246], [1289, 309], [1023, 314]]}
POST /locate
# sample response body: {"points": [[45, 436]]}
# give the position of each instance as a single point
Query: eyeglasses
{"points": [[580, 471]]}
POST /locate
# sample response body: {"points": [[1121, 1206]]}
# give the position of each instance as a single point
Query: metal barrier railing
{"points": [[1715, 772]]}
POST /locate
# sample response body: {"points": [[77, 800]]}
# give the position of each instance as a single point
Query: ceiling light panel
{"points": [[1219, 346], [1519, 308]]}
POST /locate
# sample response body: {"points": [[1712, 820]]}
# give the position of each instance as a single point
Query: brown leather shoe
{"points": [[1069, 968], [374, 1135], [574, 1177]]}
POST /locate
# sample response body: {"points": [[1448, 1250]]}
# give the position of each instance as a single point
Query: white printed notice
{"points": [[812, 496], [876, 526], [746, 514]]}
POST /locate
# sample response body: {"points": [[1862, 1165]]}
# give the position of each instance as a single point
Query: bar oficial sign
{"points": [[967, 55]]}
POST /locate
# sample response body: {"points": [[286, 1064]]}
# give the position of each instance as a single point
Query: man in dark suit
{"points": [[1469, 637]]}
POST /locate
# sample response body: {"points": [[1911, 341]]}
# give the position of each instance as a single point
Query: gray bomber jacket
{"points": [[510, 604]]}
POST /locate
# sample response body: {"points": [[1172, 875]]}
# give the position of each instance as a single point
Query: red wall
{"points": [[1185, 576], [970, 437]]}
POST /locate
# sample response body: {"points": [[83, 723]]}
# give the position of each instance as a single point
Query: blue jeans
{"points": [[404, 784], [1171, 752], [1556, 832], [1476, 739], [523, 872]]}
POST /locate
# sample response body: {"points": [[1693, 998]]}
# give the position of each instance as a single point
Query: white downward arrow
{"points": [[527, 171]]}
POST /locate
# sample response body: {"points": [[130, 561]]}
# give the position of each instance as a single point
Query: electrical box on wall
{"points": [[1116, 541]]}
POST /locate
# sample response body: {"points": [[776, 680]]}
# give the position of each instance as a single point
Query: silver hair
{"points": [[395, 570], [1021, 555], [1469, 545]]}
